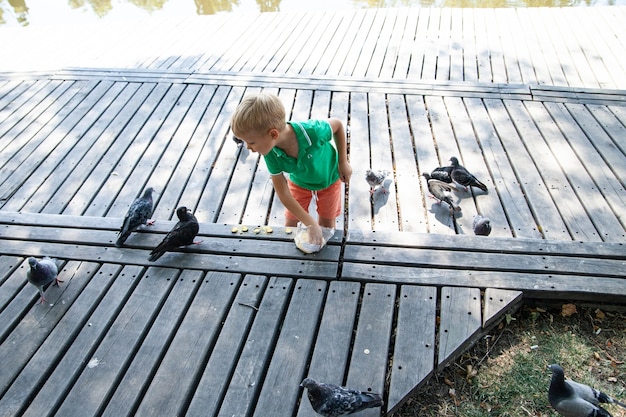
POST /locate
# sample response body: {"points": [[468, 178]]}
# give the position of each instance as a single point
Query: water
{"points": [[54, 12]]}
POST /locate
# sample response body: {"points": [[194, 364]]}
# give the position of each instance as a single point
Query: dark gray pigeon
{"points": [[441, 191], [573, 399], [375, 178], [331, 400], [182, 234], [462, 176], [42, 273], [238, 141], [482, 225], [138, 213], [442, 174]]}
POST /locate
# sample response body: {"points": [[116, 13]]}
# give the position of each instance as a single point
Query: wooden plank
{"points": [[384, 44], [497, 302], [323, 53], [542, 75], [384, 202], [523, 246], [332, 347], [369, 360], [28, 374], [605, 141], [517, 219], [579, 168], [570, 207], [94, 386], [471, 156], [27, 325], [598, 289], [138, 167], [410, 203], [602, 171], [306, 36], [429, 65], [85, 200], [504, 22], [77, 355], [359, 209], [191, 138], [460, 321], [214, 377], [353, 54], [194, 339], [399, 67], [427, 160], [228, 263], [115, 194], [547, 218], [414, 344], [264, 47], [35, 193], [220, 169], [444, 45], [297, 333], [418, 49], [345, 42], [446, 146], [547, 263], [470, 61], [25, 136], [247, 376], [138, 373]]}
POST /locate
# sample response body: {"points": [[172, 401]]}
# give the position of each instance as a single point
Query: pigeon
{"points": [[331, 400], [238, 141], [42, 273], [182, 234], [442, 174], [441, 191], [462, 176], [375, 178], [573, 399], [138, 213], [482, 225]]}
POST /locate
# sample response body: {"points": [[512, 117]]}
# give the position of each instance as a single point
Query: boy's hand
{"points": [[315, 234], [345, 172]]}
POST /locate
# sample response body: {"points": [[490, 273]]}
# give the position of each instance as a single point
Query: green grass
{"points": [[512, 378]]}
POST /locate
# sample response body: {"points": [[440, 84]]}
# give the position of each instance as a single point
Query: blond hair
{"points": [[258, 113]]}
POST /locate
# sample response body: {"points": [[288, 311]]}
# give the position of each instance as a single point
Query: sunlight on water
{"points": [[54, 12]]}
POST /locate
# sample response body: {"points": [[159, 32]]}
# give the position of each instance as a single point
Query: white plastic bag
{"points": [[302, 239]]}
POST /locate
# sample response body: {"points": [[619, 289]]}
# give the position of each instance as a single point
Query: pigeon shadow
{"points": [[445, 215], [381, 195]]}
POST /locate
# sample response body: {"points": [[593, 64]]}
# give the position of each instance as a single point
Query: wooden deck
{"points": [[231, 326]]}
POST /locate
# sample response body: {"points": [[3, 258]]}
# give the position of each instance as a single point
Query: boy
{"points": [[316, 165]]}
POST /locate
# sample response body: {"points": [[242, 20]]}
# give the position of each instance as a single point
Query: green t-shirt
{"points": [[316, 167]]}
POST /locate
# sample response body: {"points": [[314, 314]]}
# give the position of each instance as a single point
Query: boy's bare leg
{"points": [[324, 222]]}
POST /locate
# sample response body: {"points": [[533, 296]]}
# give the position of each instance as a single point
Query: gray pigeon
{"points": [[462, 176], [442, 174], [375, 178], [331, 400], [182, 234], [138, 213], [42, 273], [482, 225], [573, 399], [441, 191]]}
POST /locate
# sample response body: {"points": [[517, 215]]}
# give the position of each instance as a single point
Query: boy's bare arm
{"points": [[290, 203], [339, 135]]}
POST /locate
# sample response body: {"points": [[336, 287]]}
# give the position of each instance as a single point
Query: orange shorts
{"points": [[328, 200]]}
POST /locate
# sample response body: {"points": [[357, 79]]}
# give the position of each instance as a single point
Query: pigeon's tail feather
{"points": [[621, 404], [156, 253], [122, 238], [370, 400], [481, 186]]}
